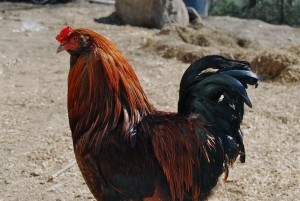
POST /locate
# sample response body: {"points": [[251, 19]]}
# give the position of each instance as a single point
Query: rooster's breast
{"points": [[118, 169]]}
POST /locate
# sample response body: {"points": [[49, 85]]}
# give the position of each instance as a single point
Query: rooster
{"points": [[126, 149]]}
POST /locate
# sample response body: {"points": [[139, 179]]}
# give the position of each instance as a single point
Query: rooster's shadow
{"points": [[111, 19]]}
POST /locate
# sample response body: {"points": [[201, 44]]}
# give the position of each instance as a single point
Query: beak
{"points": [[60, 49]]}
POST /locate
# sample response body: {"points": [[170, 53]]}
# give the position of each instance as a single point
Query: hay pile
{"points": [[200, 39]]}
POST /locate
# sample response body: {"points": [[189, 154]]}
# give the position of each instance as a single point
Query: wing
{"points": [[180, 146]]}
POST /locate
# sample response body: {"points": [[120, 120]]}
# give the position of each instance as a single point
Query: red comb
{"points": [[64, 33]]}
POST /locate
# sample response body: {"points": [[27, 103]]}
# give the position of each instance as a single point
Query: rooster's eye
{"points": [[75, 39]]}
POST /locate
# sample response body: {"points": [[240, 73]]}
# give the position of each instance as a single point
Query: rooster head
{"points": [[72, 41]]}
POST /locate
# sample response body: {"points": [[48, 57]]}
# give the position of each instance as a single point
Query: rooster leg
{"points": [[226, 168], [241, 146]]}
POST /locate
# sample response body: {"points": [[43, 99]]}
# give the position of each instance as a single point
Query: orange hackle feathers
{"points": [[107, 83]]}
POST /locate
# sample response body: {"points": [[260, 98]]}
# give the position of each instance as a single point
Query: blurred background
{"points": [[272, 11]]}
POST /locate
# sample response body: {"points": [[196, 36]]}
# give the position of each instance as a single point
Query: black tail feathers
{"points": [[214, 88]]}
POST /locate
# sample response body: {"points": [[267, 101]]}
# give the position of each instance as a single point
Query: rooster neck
{"points": [[104, 94]]}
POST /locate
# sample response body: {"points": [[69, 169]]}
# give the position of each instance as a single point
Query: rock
{"points": [[152, 13], [290, 75]]}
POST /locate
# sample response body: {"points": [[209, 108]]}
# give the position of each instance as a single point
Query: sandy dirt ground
{"points": [[35, 140]]}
